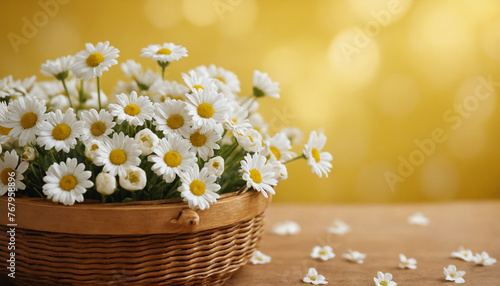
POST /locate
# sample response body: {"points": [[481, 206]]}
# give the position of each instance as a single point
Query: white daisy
{"points": [[135, 110], [263, 85], [10, 171], [97, 126], [66, 182], [258, 123], [286, 228], [92, 147], [354, 256], [4, 131], [452, 274], [167, 52], [58, 68], [294, 134], [147, 79], [384, 279], [224, 79], [324, 253], [117, 154], [279, 169], [162, 90], [24, 117], [172, 117], [319, 161], [131, 68], [204, 143], [198, 188], [215, 166], [93, 61], [208, 109], [133, 179], [172, 157], [258, 174], [60, 130], [464, 254], [147, 141], [197, 82], [410, 263], [278, 147], [259, 258], [238, 121], [250, 140], [314, 278], [338, 227], [484, 259], [29, 154], [418, 218], [105, 183]]}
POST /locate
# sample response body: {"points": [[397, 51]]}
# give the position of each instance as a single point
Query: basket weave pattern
{"points": [[207, 257]]}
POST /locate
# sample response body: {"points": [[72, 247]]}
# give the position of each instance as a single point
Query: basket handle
{"points": [[187, 218]]}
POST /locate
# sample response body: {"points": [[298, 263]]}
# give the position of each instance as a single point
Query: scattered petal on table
{"points": [[484, 259], [418, 219], [260, 258], [286, 228], [453, 275], [462, 253], [354, 256], [338, 227], [410, 263], [324, 253], [384, 279], [313, 277]]}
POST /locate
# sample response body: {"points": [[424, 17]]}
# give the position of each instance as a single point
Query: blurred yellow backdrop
{"points": [[406, 91]]}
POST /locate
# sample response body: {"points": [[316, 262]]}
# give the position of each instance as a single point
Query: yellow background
{"points": [[374, 75]]}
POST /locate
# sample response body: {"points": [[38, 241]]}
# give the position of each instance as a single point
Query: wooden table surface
{"points": [[382, 232]]}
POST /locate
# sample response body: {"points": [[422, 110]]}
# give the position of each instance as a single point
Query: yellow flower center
{"points": [[313, 278], [67, 182], [98, 128], [172, 159], [4, 130], [205, 110], [175, 121], [215, 165], [133, 177], [132, 109], [197, 188], [28, 120], [315, 154], [221, 79], [452, 275], [61, 132], [276, 152], [198, 139], [322, 252], [255, 176], [5, 175], [164, 51], [383, 283], [118, 157], [198, 87], [94, 147], [95, 59]]}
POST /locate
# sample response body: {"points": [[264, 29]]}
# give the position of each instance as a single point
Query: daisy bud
{"points": [[105, 183], [134, 179], [250, 140], [28, 154], [147, 141], [280, 171], [91, 149], [215, 166]]}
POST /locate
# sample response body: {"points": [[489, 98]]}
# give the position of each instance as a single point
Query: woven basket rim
{"points": [[132, 218]]}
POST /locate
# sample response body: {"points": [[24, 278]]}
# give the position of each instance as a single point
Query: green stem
{"points": [[67, 93], [296, 158], [99, 93]]}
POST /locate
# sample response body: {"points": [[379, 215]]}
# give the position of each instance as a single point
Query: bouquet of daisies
{"points": [[158, 139]]}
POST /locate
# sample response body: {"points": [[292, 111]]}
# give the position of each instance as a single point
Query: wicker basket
{"points": [[140, 243]]}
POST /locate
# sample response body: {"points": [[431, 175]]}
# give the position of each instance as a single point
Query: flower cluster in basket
{"points": [[160, 139]]}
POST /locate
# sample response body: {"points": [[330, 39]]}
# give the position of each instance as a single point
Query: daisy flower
{"points": [[410, 263], [258, 123], [11, 169], [384, 279], [29, 154], [4, 131], [238, 121], [464, 254], [354, 256], [263, 85], [278, 147], [105, 183], [204, 143], [258, 174], [90, 63], [226, 81], [167, 52], [484, 259], [58, 68], [319, 161], [452, 274], [97, 126], [198, 188], [259, 258], [133, 179], [338, 227], [162, 90], [91, 149], [66, 182], [147, 141], [147, 79], [172, 117], [172, 157], [286, 228], [60, 131], [279, 169], [250, 140], [208, 109], [314, 278], [117, 154], [135, 110], [294, 134], [418, 219], [215, 166], [131, 68], [25, 117], [324, 253], [200, 81]]}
